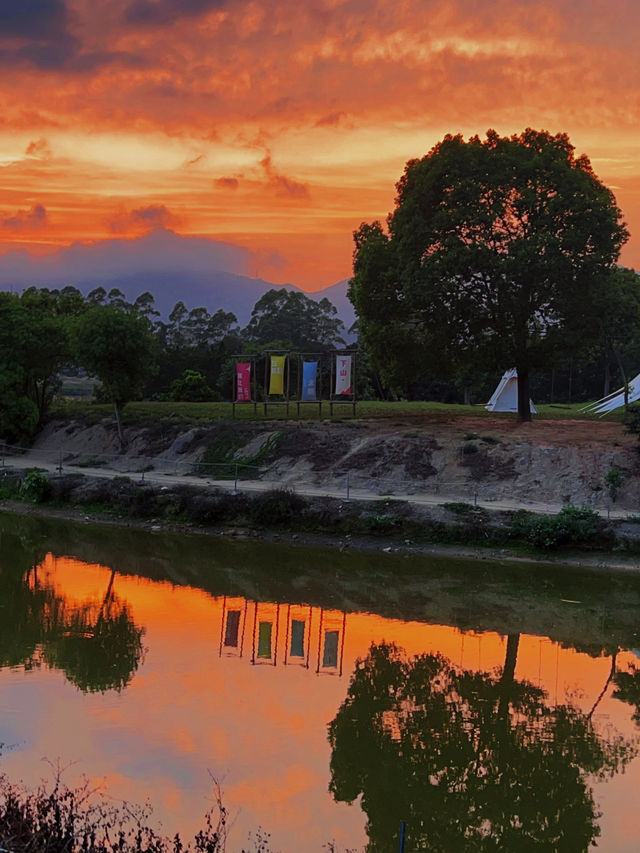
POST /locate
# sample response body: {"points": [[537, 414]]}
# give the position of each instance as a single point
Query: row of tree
{"points": [[132, 352]]}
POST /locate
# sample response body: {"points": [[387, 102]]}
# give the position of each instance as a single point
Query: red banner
{"points": [[243, 382]]}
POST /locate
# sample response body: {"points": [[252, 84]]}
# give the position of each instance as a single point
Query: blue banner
{"points": [[309, 374]]}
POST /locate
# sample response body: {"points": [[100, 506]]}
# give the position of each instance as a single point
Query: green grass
{"points": [[193, 413]]}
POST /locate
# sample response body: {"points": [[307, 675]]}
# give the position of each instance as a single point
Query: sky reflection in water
{"points": [[151, 687]]}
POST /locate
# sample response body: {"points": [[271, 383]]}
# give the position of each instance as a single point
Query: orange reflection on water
{"points": [[244, 690]]}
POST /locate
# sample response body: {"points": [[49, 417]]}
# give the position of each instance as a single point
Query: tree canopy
{"points": [[292, 320], [116, 346], [495, 254]]}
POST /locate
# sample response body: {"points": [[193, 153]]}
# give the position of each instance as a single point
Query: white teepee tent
{"points": [[616, 399], [505, 397]]}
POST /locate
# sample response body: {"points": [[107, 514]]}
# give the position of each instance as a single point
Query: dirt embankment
{"points": [[457, 457]]}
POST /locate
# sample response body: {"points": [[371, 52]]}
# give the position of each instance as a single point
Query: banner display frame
{"points": [[305, 357], [286, 379], [251, 360], [349, 399]]}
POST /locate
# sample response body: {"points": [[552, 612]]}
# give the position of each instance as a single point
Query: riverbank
{"points": [[574, 537]]}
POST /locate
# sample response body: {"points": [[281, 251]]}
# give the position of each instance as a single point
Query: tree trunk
{"points": [[524, 395], [607, 376], [467, 396], [508, 673], [510, 658], [612, 672]]}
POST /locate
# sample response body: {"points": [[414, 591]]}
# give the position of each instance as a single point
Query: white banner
{"points": [[343, 374]]}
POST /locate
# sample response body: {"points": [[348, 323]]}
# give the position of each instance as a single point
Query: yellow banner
{"points": [[276, 380]]}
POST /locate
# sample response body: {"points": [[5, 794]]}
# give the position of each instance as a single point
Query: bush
{"points": [[571, 526], [613, 480], [381, 525], [467, 512], [9, 487], [214, 507], [277, 506], [192, 387], [57, 819], [35, 487]]}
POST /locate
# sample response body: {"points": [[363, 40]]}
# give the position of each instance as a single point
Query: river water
{"points": [[489, 706]]}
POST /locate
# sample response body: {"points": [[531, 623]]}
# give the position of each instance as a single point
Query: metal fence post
{"points": [[60, 462], [235, 484], [348, 487]]}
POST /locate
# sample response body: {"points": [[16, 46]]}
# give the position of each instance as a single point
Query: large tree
{"points": [[496, 249]]}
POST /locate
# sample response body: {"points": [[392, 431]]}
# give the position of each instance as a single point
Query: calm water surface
{"points": [[331, 695]]}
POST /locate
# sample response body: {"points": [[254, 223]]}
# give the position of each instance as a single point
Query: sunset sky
{"points": [[279, 125]]}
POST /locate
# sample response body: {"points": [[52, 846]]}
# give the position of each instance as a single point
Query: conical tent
{"points": [[505, 397], [616, 399]]}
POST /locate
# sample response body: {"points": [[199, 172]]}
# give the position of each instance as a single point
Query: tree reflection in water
{"points": [[96, 644], [470, 760]]}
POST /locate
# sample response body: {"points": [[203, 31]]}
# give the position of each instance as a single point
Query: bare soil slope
{"points": [[458, 457]]}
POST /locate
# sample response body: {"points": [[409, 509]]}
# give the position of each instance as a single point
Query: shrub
{"points": [[9, 487], [571, 526], [192, 387], [381, 525], [214, 507], [469, 447], [613, 480], [277, 506], [56, 819], [35, 487], [467, 512]]}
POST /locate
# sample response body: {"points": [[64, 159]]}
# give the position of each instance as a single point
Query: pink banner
{"points": [[243, 382]]}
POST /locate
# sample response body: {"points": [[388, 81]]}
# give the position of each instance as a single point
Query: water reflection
{"points": [[266, 622], [470, 760], [452, 715], [96, 644]]}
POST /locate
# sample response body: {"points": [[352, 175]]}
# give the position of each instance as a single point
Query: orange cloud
{"points": [[307, 108]]}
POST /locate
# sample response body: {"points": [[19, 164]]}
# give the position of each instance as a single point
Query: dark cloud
{"points": [[283, 186], [150, 217], [37, 33], [26, 220], [163, 12], [38, 20], [227, 183]]}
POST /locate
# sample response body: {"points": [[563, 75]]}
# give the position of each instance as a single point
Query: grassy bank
{"points": [[194, 413]]}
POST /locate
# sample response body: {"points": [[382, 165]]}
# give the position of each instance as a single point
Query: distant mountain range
{"points": [[196, 271]]}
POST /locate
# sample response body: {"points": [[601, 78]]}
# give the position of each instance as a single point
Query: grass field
{"points": [[366, 409]]}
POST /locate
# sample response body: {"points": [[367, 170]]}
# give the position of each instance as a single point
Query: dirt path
{"points": [[340, 488]]}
